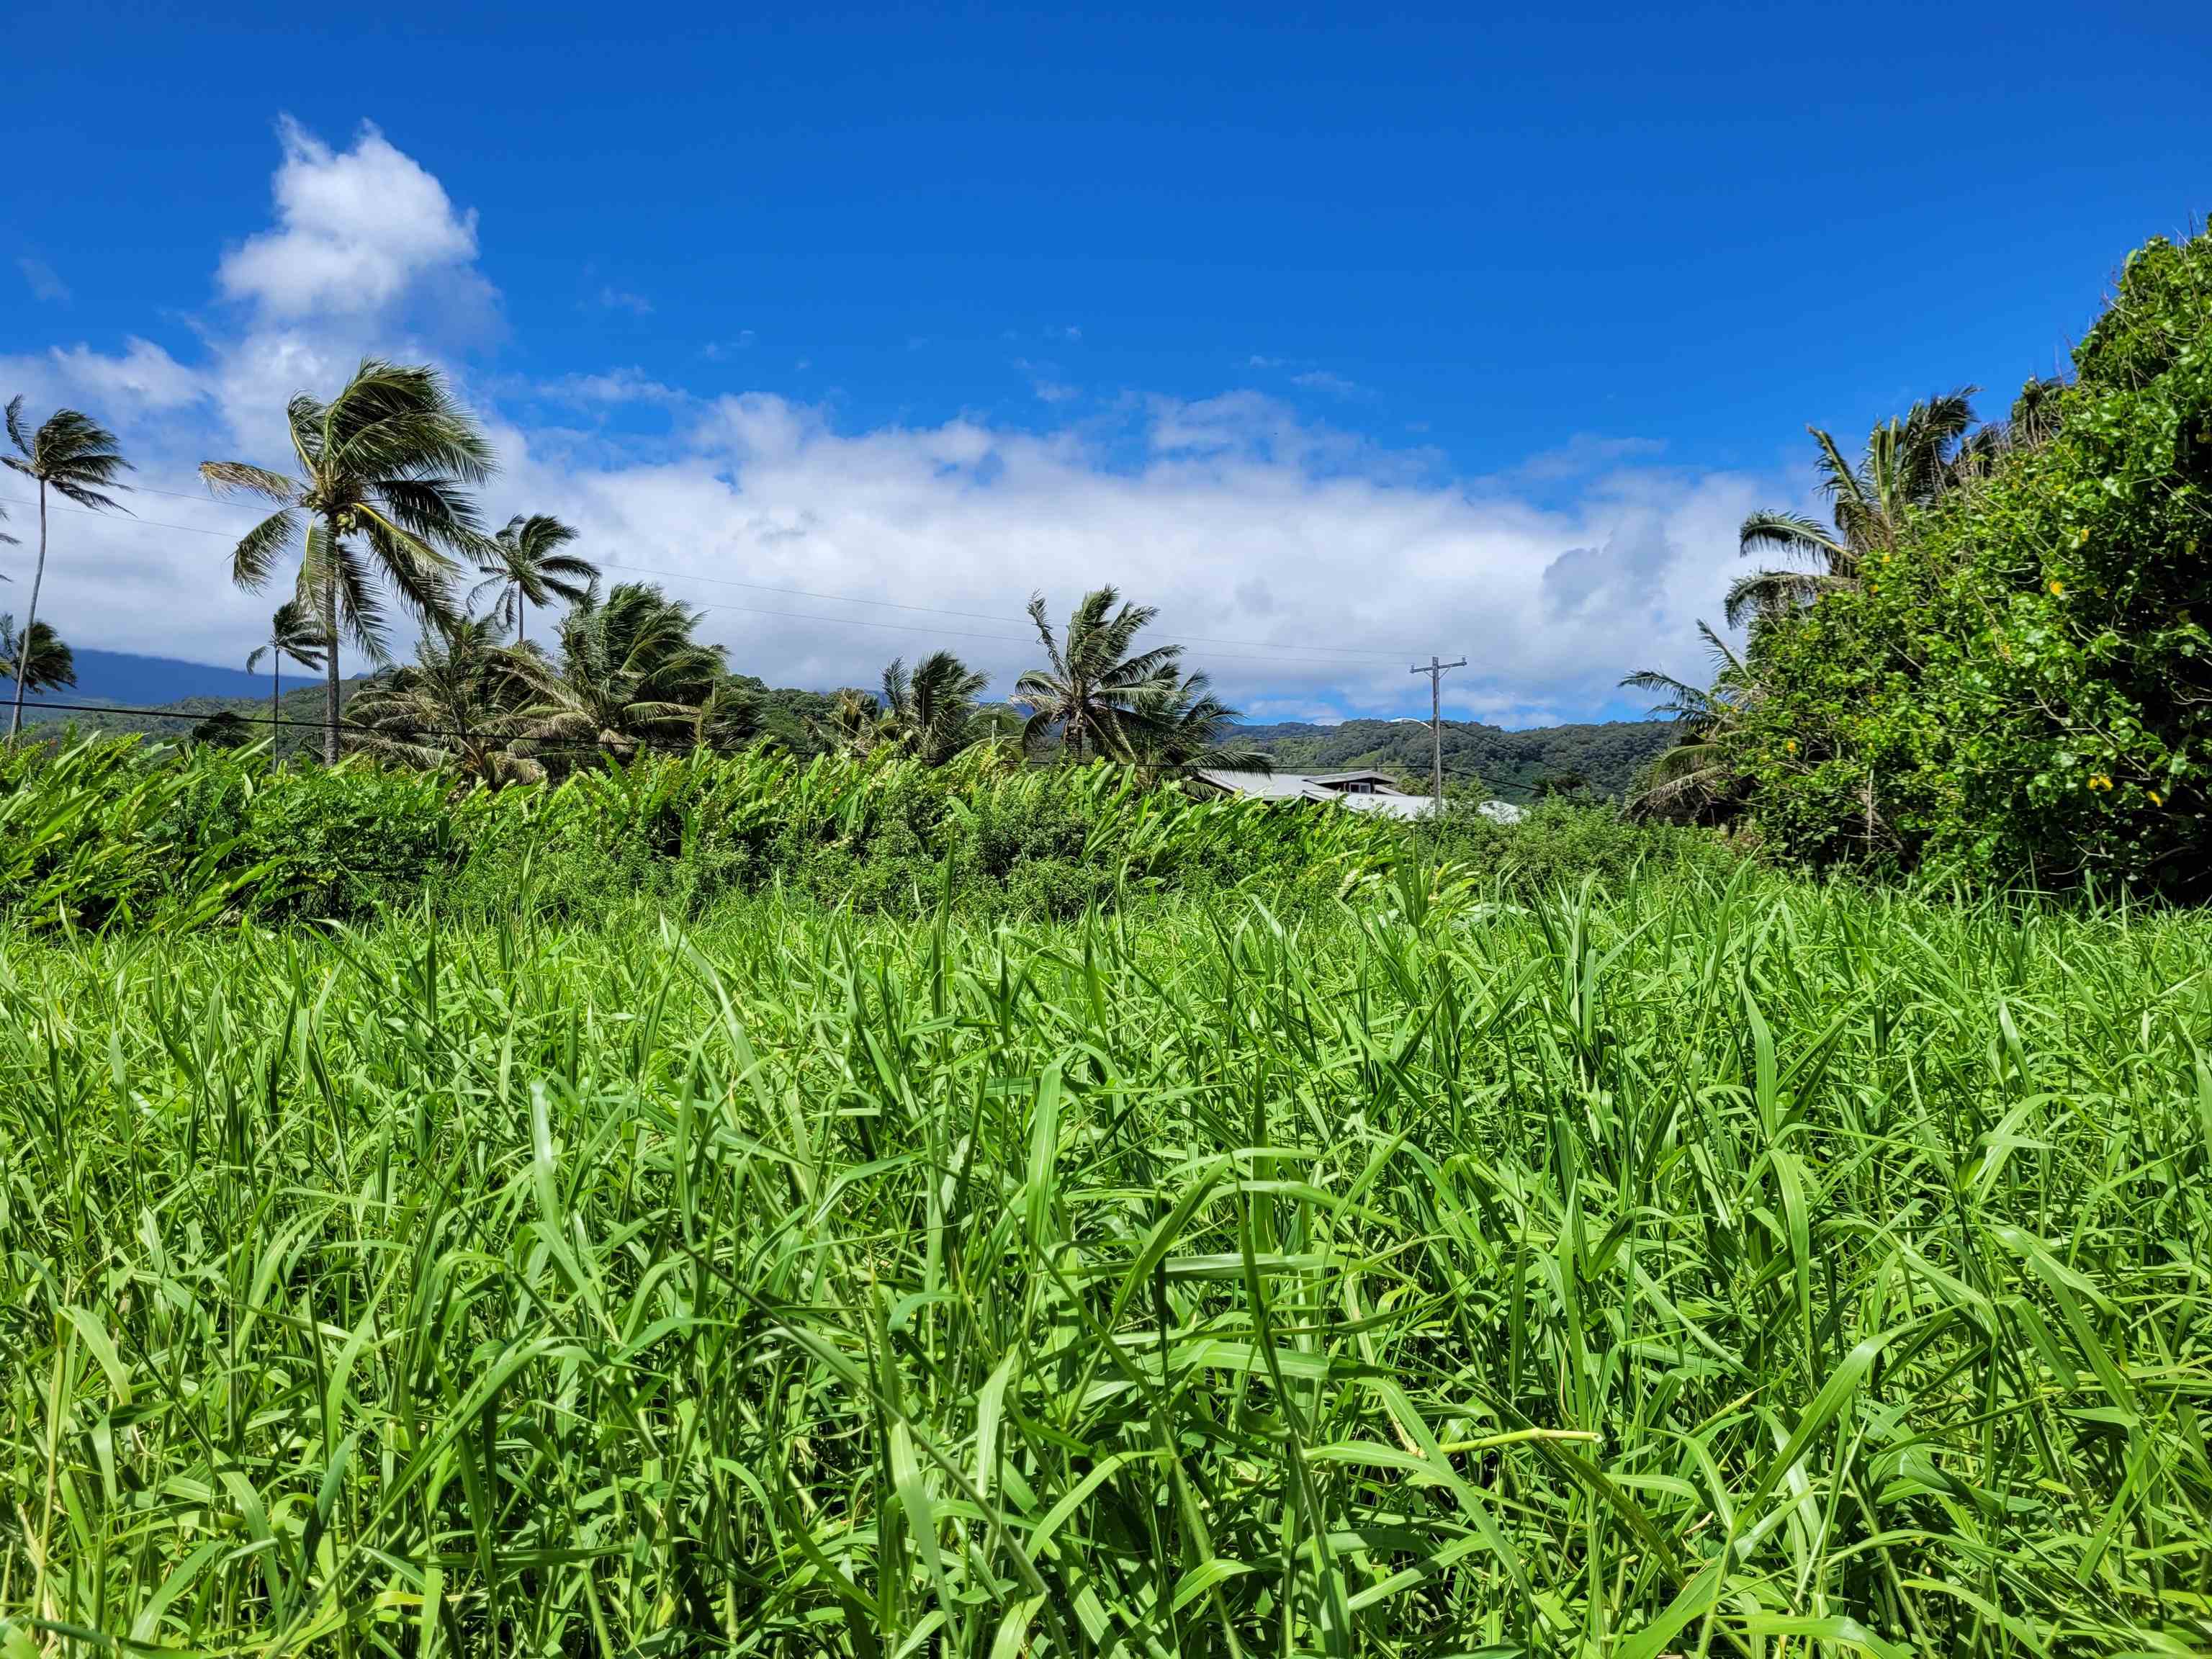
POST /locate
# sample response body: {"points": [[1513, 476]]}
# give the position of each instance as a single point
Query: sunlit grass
{"points": [[1691, 1270]]}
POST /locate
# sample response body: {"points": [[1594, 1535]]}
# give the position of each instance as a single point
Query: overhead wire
{"points": [[356, 733]]}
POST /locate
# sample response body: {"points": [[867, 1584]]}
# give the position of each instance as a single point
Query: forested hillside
{"points": [[1605, 758]]}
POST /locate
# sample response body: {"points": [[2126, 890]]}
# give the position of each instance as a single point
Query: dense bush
{"points": [[1560, 840], [2021, 689], [108, 833]]}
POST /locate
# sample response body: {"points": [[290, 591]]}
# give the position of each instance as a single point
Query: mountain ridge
{"points": [[1604, 756]]}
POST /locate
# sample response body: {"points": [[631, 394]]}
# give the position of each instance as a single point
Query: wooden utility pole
{"points": [[1435, 671]]}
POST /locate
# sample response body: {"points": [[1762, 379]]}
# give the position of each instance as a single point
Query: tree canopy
{"points": [[2016, 685]]}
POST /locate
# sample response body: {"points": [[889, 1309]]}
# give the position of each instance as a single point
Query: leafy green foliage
{"points": [[2021, 689], [1721, 1270], [141, 833]]}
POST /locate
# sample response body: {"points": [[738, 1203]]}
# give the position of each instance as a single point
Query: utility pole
{"points": [[1435, 671]]}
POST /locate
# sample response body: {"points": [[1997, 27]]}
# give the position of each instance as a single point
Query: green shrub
{"points": [[337, 845]]}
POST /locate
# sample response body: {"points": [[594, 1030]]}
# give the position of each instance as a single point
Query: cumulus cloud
{"points": [[616, 299], [354, 230], [1303, 563]]}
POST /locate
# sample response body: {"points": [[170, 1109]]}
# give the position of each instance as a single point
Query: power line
{"points": [[357, 733], [1301, 653]]}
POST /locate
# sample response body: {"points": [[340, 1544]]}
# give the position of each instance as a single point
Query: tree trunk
{"points": [[275, 695], [30, 623], [331, 641], [521, 617]]}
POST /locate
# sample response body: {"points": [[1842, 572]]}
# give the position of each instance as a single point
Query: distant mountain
{"points": [[119, 680], [1605, 758], [122, 677]]}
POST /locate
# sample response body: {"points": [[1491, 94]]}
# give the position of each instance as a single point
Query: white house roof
{"points": [[1385, 797]]}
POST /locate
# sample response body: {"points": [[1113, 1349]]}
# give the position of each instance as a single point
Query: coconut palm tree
{"points": [[37, 658], [1184, 727], [627, 675], [2036, 415], [1695, 780], [73, 455], [855, 724], [1908, 463], [931, 712], [380, 498], [1095, 682], [292, 633], [456, 704], [524, 565]]}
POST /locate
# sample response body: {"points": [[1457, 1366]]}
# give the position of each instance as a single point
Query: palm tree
{"points": [[1908, 463], [628, 676], [37, 658], [455, 703], [2036, 415], [381, 496], [855, 724], [931, 712], [524, 565], [292, 633], [1184, 727], [1695, 782], [76, 457], [1094, 686]]}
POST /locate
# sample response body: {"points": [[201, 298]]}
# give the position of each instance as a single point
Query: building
{"points": [[1363, 792]]}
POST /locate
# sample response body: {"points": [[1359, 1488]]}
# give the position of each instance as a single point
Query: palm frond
{"points": [[255, 556]]}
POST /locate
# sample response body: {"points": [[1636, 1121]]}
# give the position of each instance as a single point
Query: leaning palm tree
{"points": [[931, 712], [74, 456], [36, 659], [455, 705], [1694, 781], [1095, 681], [1908, 463], [1183, 726], [627, 675], [380, 497], [292, 633], [524, 565]]}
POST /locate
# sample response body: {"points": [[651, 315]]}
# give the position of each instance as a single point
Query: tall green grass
{"points": [[1703, 1270]]}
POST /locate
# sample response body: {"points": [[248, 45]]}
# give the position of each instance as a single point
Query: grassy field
{"points": [[1700, 1270]]}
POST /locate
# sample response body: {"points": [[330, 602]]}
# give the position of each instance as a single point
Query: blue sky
{"points": [[1352, 329]]}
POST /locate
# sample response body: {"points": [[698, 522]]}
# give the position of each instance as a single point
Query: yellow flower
{"points": [[2082, 536], [2057, 587], [2099, 781], [2156, 799], [1791, 745]]}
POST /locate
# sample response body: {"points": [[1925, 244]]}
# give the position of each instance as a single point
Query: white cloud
{"points": [[616, 299], [46, 285], [355, 230], [620, 385], [1045, 382], [716, 350], [1321, 380], [1303, 563], [144, 376]]}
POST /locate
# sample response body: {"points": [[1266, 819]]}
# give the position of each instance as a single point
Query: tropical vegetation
{"points": [[37, 659], [1718, 1267], [71, 455], [1999, 672], [381, 496]]}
